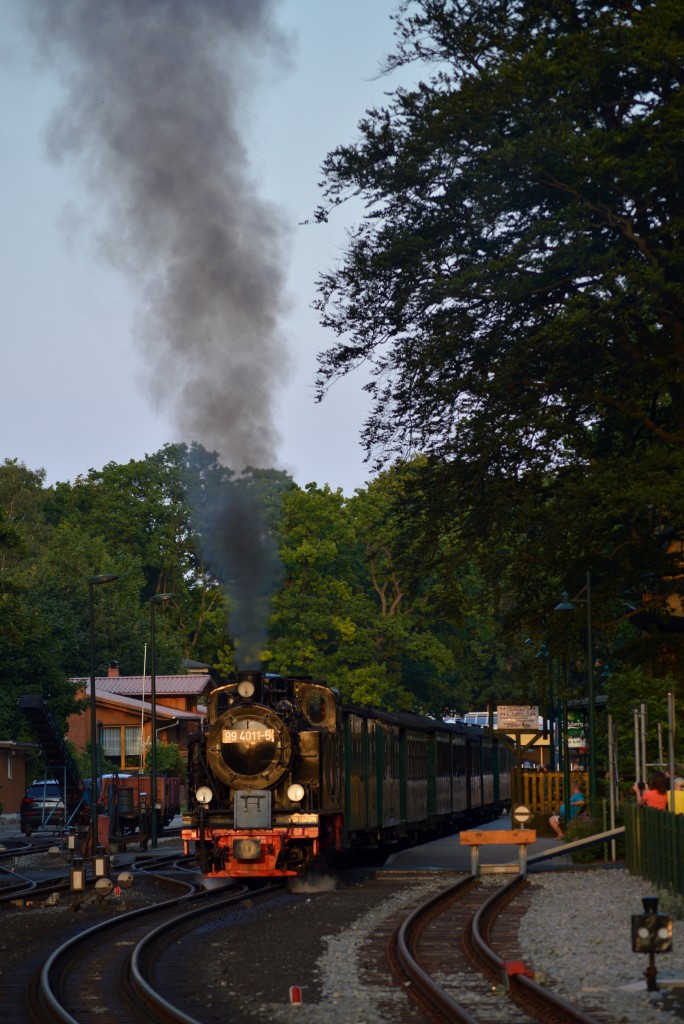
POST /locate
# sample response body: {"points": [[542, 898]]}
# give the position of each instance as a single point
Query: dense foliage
{"points": [[515, 287], [516, 282], [514, 291]]}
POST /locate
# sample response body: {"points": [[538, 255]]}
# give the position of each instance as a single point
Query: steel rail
{"points": [[436, 997], [144, 951], [525, 990], [51, 972]]}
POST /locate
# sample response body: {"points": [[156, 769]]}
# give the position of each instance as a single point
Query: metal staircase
{"points": [[55, 751]]}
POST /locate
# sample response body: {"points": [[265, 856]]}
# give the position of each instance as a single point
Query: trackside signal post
{"points": [[651, 933]]}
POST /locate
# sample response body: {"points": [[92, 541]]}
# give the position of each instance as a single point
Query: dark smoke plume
{"points": [[156, 93], [239, 546], [154, 118]]}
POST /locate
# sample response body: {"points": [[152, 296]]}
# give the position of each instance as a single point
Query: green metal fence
{"points": [[654, 846]]}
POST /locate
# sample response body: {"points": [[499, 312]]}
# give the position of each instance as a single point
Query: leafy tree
{"points": [[23, 528], [58, 587], [523, 209], [320, 618], [412, 638], [515, 288], [29, 663], [141, 506], [29, 659], [143, 511], [357, 607]]}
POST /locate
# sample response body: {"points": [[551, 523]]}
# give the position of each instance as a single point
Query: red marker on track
{"points": [[295, 994]]}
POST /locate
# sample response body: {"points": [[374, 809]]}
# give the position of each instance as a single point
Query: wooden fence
{"points": [[654, 846], [542, 792]]}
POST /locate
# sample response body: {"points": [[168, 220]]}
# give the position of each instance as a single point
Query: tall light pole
{"points": [[154, 601], [567, 605], [94, 581]]}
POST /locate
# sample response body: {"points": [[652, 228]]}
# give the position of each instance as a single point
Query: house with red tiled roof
{"points": [[124, 713]]}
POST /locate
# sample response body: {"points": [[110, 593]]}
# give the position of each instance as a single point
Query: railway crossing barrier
{"points": [[521, 837]]}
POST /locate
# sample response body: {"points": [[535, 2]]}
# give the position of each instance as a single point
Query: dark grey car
{"points": [[42, 805]]}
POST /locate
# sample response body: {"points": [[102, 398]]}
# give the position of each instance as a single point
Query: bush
{"points": [[581, 827], [169, 761]]}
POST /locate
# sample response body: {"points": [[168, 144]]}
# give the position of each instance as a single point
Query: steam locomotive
{"points": [[283, 775]]}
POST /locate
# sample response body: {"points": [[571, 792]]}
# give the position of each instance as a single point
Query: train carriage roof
{"points": [[419, 723]]}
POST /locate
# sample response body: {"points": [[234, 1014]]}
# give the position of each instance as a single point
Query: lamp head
{"points": [[103, 577], [566, 604], [162, 598]]}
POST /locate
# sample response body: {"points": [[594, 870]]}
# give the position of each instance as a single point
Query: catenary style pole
{"points": [[154, 601], [590, 698], [93, 582]]}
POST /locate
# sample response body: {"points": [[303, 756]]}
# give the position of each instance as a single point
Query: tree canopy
{"points": [[515, 289], [515, 283]]}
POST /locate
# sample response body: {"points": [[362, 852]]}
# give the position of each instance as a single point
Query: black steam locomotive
{"points": [[283, 775]]}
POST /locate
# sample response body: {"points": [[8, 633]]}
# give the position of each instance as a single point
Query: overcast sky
{"points": [[101, 359]]}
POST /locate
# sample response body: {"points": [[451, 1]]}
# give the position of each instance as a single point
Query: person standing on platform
{"points": [[654, 795], [678, 796]]}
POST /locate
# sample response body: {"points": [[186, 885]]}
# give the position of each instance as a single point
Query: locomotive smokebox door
{"points": [[252, 808]]}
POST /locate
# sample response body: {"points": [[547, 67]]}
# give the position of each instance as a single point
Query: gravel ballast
{"points": [[577, 931]]}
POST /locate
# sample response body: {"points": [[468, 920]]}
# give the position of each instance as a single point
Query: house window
{"points": [[132, 746], [121, 744]]}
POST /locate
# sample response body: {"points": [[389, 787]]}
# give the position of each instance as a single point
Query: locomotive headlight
{"points": [[203, 795], [246, 689], [295, 793]]}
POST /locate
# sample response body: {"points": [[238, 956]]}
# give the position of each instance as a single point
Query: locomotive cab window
{"points": [[318, 707]]}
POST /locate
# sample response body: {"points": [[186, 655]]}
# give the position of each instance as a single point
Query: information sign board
{"points": [[510, 717]]}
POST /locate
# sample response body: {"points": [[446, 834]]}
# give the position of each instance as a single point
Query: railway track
{"points": [[111, 972], [457, 957], [151, 954], [31, 881]]}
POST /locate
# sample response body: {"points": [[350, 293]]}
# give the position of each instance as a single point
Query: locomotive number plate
{"points": [[248, 736]]}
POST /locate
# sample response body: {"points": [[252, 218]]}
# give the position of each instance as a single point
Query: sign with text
{"points": [[577, 739], [515, 716]]}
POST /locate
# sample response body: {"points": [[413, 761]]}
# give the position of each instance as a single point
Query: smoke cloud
{"points": [[241, 550], [154, 118]]}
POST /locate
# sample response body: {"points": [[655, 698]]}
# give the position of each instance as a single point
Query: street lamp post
{"points": [[154, 601], [94, 581], [567, 605]]}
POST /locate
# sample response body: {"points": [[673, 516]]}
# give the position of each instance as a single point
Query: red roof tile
{"points": [[169, 686]]}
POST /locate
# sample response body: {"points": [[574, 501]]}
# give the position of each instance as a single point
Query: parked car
{"points": [[42, 804]]}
